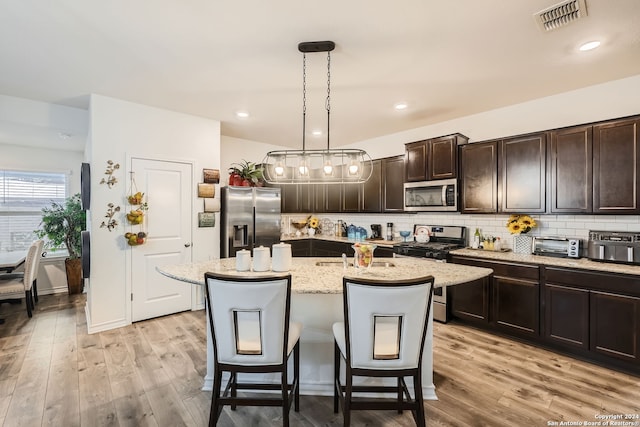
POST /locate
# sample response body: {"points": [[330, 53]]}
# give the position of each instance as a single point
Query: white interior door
{"points": [[168, 189]]}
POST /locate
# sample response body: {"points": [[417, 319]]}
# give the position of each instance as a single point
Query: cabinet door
{"points": [[516, 305], [442, 158], [615, 326], [470, 300], [352, 197], [393, 184], [566, 316], [372, 189], [616, 155], [416, 161], [333, 197], [300, 248], [479, 183], [289, 201], [571, 164], [522, 174]]}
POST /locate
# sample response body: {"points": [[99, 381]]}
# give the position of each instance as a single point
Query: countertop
{"points": [[310, 278], [579, 263]]}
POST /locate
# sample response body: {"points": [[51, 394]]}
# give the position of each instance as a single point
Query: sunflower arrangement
{"points": [[313, 222], [520, 224]]}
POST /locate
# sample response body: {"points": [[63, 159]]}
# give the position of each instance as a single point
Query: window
{"points": [[23, 194]]}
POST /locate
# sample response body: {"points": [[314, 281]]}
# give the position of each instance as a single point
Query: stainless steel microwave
{"points": [[425, 196]]}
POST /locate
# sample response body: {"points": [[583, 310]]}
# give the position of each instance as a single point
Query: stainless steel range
{"points": [[433, 243]]}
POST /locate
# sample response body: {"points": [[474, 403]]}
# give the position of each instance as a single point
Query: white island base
{"points": [[316, 301]]}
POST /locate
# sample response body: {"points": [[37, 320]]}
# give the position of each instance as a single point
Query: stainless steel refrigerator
{"points": [[250, 217]]}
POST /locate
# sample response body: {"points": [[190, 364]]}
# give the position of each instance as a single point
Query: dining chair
{"points": [[14, 287], [383, 334], [34, 277], [252, 333]]}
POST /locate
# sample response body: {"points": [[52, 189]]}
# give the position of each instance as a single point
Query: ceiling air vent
{"points": [[560, 14]]}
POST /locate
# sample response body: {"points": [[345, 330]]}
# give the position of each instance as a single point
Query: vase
{"points": [[312, 231], [522, 244]]}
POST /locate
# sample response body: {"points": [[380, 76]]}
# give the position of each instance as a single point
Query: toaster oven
{"points": [[556, 246]]}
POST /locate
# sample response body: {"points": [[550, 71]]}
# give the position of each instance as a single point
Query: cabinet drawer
{"points": [[600, 281], [507, 269]]}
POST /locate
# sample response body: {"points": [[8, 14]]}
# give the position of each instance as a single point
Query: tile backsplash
{"points": [[577, 226]]}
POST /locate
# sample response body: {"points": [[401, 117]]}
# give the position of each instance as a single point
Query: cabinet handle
{"points": [[186, 245]]}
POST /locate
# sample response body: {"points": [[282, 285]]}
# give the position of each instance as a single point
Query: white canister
{"points": [[281, 257], [261, 259], [243, 260]]}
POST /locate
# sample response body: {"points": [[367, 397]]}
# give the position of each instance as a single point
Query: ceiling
{"points": [[446, 59]]}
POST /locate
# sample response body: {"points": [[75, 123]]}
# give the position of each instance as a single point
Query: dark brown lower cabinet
{"points": [[566, 316], [615, 326], [516, 305], [330, 248], [470, 301]]}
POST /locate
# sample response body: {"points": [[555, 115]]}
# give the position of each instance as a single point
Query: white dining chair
{"points": [[15, 287], [383, 335], [252, 333]]}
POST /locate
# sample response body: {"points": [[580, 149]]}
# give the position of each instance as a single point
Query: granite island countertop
{"points": [[310, 278], [578, 263]]}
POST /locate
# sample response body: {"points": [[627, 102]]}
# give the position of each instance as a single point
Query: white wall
{"points": [[120, 130], [235, 150], [600, 102]]}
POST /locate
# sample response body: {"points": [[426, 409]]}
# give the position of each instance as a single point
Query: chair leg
{"points": [[234, 390], [346, 408], [336, 376], [215, 398], [35, 290], [399, 395], [417, 385], [285, 399], [28, 302], [296, 375]]}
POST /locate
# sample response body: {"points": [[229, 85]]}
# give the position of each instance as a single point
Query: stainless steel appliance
{"points": [[434, 247], [250, 217], [614, 246], [424, 196], [556, 246]]}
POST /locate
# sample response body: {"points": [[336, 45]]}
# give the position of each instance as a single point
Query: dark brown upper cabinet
{"points": [[479, 177], [372, 196], [393, 170], [435, 158], [616, 156], [571, 170], [522, 171]]}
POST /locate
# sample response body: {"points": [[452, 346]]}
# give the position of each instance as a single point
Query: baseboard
{"points": [[101, 327]]}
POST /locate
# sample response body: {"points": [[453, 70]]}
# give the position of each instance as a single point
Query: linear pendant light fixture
{"points": [[330, 166]]}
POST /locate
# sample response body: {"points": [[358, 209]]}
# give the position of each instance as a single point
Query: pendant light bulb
{"points": [[303, 168], [279, 169], [328, 167], [354, 167]]}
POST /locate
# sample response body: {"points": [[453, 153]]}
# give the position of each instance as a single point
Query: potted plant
{"points": [[62, 225], [245, 174]]}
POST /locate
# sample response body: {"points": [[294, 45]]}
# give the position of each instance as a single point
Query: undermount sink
{"points": [[339, 263]]}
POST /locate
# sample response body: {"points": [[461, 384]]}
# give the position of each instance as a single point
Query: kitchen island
{"points": [[316, 301]]}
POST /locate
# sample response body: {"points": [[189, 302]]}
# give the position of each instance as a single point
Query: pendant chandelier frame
{"points": [[318, 166]]}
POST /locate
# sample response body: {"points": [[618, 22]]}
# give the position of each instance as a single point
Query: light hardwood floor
{"points": [[150, 373]]}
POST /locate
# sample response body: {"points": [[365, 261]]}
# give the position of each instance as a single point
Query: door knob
{"points": [[186, 245]]}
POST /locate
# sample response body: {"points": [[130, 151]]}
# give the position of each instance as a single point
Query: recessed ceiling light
{"points": [[589, 45], [316, 132], [242, 114], [401, 106]]}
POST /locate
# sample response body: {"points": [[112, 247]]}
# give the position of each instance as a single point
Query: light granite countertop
{"points": [[579, 263], [310, 278]]}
